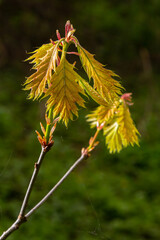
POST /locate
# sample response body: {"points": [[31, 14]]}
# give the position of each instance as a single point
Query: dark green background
{"points": [[110, 197]]}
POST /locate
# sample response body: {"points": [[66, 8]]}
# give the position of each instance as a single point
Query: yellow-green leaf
{"points": [[65, 92], [44, 60], [127, 128], [121, 131], [103, 79], [113, 137], [91, 92], [102, 114]]}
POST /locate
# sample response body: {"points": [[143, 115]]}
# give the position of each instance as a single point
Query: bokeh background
{"points": [[110, 197]]}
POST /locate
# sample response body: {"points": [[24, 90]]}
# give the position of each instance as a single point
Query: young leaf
{"points": [[102, 114], [127, 129], [92, 92], [122, 131], [65, 92], [118, 127], [103, 80], [44, 60], [113, 137]]}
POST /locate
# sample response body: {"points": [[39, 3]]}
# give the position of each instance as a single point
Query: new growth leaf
{"points": [[56, 79]]}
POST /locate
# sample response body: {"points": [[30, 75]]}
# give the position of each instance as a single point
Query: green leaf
{"points": [[44, 60], [91, 92], [65, 92], [103, 80]]}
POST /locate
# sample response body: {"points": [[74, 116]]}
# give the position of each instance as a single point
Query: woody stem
{"points": [[31, 183], [21, 220]]}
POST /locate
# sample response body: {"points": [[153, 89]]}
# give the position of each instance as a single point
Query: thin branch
{"points": [[83, 156], [13, 228], [23, 219], [31, 183]]}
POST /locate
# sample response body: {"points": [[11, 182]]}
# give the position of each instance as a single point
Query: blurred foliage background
{"points": [[110, 197]]}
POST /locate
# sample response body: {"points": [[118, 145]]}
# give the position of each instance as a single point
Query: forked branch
{"points": [[22, 218]]}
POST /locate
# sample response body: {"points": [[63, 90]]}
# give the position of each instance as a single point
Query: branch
{"points": [[23, 218], [82, 157], [20, 220], [31, 183]]}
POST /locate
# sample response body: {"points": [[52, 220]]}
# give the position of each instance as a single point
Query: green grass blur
{"points": [[110, 197]]}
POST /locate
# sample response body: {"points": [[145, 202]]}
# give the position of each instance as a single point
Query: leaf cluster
{"points": [[56, 79]]}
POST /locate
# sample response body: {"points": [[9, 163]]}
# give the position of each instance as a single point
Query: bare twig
{"points": [[31, 183], [24, 217], [20, 220], [82, 157], [13, 228]]}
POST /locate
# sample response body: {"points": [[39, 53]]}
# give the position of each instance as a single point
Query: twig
{"points": [[22, 216], [83, 156], [31, 183], [23, 219]]}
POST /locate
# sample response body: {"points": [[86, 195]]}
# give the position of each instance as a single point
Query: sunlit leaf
{"points": [[65, 92], [119, 127], [122, 131], [127, 128], [44, 60], [113, 137], [102, 114], [103, 79], [92, 92]]}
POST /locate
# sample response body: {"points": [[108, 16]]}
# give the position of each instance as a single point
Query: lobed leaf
{"points": [[92, 93], [44, 60], [102, 114], [113, 137], [127, 128], [119, 127], [103, 80], [122, 131], [65, 92]]}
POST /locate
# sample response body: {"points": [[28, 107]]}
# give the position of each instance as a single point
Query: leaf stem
{"points": [[48, 127], [64, 50], [93, 139], [50, 115]]}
